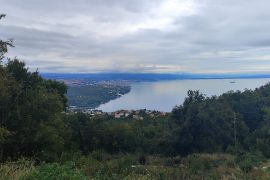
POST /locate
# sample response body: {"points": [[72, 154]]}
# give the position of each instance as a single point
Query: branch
{"points": [[2, 16]]}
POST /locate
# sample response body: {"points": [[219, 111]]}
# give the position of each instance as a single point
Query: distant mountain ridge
{"points": [[147, 76]]}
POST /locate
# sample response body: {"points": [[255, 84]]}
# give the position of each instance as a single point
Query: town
{"points": [[130, 114]]}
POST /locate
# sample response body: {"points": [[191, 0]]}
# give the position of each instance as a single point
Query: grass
{"points": [[101, 165], [16, 170], [56, 171]]}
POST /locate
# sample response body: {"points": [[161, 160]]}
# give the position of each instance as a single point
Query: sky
{"points": [[139, 36]]}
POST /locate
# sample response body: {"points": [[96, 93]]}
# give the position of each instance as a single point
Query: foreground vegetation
{"points": [[225, 137], [100, 165]]}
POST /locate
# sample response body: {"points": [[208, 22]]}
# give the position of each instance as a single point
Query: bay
{"points": [[164, 95]]}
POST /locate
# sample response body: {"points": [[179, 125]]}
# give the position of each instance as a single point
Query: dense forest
{"points": [[206, 137]]}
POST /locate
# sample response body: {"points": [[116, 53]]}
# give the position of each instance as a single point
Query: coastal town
{"points": [[130, 114]]}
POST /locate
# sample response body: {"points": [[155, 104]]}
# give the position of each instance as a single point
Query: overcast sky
{"points": [[154, 36]]}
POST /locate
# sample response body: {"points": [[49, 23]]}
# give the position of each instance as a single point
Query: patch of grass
{"points": [[56, 172], [16, 170], [101, 165], [250, 160], [129, 166]]}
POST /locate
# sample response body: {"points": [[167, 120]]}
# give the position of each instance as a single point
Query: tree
{"points": [[205, 124], [30, 110], [4, 44]]}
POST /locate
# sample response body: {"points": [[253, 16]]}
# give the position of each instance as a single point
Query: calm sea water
{"points": [[164, 95]]}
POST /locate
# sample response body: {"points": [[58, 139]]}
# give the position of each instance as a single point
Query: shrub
{"points": [[249, 160], [100, 155], [56, 172], [198, 164], [142, 159], [16, 170]]}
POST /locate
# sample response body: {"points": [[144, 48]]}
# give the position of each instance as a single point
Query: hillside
{"points": [[205, 137], [91, 96]]}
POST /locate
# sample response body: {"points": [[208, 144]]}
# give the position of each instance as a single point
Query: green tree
{"points": [[205, 124], [30, 110]]}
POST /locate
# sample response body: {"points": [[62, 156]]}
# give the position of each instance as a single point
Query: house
{"points": [[118, 115], [163, 113], [127, 114], [137, 117]]}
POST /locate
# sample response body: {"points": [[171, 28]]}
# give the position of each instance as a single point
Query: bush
{"points": [[16, 170], [248, 161], [100, 155], [56, 172], [142, 159], [198, 164]]}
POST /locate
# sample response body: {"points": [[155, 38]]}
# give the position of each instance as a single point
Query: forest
{"points": [[218, 137]]}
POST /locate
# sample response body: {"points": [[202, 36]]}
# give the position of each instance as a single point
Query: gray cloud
{"points": [[158, 36]]}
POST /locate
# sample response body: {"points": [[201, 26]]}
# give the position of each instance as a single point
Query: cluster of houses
{"points": [[134, 114], [92, 112], [137, 114]]}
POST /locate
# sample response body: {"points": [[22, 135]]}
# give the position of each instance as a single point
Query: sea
{"points": [[165, 95]]}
